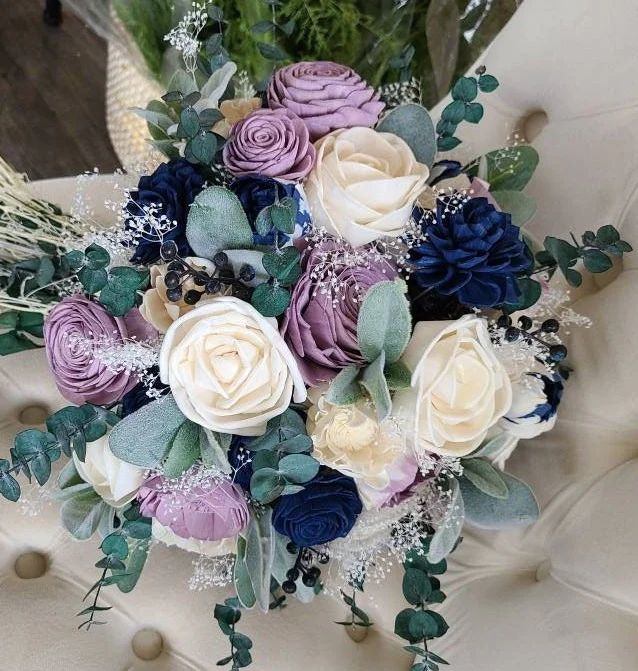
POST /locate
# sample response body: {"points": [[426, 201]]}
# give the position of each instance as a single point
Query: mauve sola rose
{"points": [[207, 512], [69, 329], [325, 95], [274, 143], [322, 333]]}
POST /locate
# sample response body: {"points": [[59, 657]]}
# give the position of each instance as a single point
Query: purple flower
{"points": [[208, 512], [274, 143], [326, 95], [320, 327], [71, 329]]}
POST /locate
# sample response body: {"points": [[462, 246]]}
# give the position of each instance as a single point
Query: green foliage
{"points": [[24, 331], [145, 437], [595, 249], [412, 123], [359, 618], [518, 204], [228, 615], [147, 21], [124, 555], [421, 589], [518, 508], [34, 451], [281, 463], [270, 299], [485, 477], [184, 450], [217, 221], [448, 533], [506, 169], [462, 107]]}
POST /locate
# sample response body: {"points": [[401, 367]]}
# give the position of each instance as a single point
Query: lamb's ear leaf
{"points": [[384, 323], [344, 389], [184, 450], [519, 509], [448, 532], [413, 124], [217, 221], [145, 436], [485, 477]]}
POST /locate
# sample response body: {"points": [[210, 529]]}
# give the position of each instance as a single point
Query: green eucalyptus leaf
{"points": [[184, 450], [283, 215], [189, 121], [374, 382], [96, 257], [115, 544], [384, 323], [217, 221], [465, 89], [128, 577], [298, 468], [92, 281], [12, 343], [520, 508], [518, 204], [266, 485], [9, 487], [416, 586], [596, 261], [485, 477], [270, 300], [413, 124], [511, 168], [487, 83], [473, 112], [144, 437], [454, 112], [283, 265], [344, 388], [81, 515], [607, 235], [447, 143], [204, 147]]}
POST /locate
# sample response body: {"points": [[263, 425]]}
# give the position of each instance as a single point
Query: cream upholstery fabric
{"points": [[560, 596]]}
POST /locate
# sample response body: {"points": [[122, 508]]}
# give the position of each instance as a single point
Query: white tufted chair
{"points": [[559, 596]]}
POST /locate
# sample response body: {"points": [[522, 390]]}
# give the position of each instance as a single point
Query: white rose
{"points": [[218, 548], [156, 308], [350, 439], [114, 480], [364, 184], [228, 368], [459, 388], [530, 413]]}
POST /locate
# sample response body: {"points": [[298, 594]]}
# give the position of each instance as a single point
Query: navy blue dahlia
{"points": [[473, 253], [172, 188]]}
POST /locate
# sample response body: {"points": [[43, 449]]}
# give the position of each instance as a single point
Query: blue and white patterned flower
{"points": [[535, 400]]}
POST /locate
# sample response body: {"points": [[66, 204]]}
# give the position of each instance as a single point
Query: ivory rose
{"points": [[350, 439], [364, 184], [459, 388], [115, 481], [228, 368]]}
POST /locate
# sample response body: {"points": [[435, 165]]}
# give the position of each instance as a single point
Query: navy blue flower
{"points": [[172, 188], [473, 252], [137, 397], [553, 390], [325, 509], [256, 192]]}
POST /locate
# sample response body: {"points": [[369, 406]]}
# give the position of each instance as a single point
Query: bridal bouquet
{"points": [[308, 347]]}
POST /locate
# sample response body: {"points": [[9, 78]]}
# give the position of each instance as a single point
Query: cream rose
{"points": [[459, 388], [364, 184], [114, 480], [209, 548], [350, 439], [228, 368], [156, 308]]}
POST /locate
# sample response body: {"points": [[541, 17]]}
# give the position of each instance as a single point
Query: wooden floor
{"points": [[52, 80]]}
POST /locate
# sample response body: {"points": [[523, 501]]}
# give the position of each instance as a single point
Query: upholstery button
{"points": [[33, 415], [147, 644], [543, 571], [533, 124], [31, 565]]}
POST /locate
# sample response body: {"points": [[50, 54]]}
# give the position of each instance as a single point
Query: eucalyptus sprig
{"points": [[359, 618], [228, 615], [420, 624], [68, 429], [463, 107], [595, 249]]}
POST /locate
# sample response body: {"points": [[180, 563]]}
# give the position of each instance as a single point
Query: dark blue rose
{"points": [[473, 252], [172, 188], [137, 397], [325, 509], [241, 461], [256, 192]]}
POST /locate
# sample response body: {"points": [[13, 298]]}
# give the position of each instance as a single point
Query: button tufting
{"points": [[533, 124], [33, 415], [31, 565], [543, 571], [147, 644]]}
